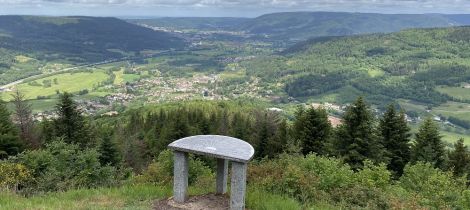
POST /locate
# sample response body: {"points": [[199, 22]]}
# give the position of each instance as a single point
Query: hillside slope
{"points": [[85, 38], [303, 25], [409, 64], [28, 43]]}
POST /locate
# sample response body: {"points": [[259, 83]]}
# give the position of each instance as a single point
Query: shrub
{"points": [[61, 166], [12, 175], [160, 171], [373, 176], [436, 188]]}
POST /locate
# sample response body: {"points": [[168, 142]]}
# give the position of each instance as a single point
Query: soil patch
{"points": [[200, 202]]}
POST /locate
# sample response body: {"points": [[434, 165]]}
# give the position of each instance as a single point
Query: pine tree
{"points": [[459, 158], [316, 131], [356, 139], [109, 155], [71, 124], [428, 146], [395, 136], [9, 140], [24, 119], [283, 135]]}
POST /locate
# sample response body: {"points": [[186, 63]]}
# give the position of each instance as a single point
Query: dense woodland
{"points": [[383, 67], [367, 162]]}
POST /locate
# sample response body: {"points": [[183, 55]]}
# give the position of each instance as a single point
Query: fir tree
{"points": [[428, 146], [109, 155], [395, 136], [459, 158], [356, 140], [24, 120], [9, 140], [71, 124], [316, 131]]}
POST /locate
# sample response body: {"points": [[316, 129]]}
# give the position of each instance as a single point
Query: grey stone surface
{"points": [[216, 146], [238, 186], [222, 172], [180, 182]]}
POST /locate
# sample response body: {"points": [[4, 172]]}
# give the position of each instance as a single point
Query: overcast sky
{"points": [[226, 8]]}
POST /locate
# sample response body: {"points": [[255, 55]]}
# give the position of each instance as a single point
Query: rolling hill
{"points": [[28, 42], [410, 65], [296, 26], [303, 25], [86, 38]]}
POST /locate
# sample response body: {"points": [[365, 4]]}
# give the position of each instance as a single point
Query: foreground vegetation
{"points": [[122, 162]]}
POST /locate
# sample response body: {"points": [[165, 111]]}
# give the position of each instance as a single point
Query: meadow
{"points": [[66, 82], [130, 196]]}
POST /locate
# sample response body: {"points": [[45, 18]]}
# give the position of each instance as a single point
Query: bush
{"points": [[436, 188], [13, 175], [372, 176], [160, 171], [61, 166]]}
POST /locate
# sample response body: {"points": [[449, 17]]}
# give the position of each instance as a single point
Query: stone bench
{"points": [[224, 149]]}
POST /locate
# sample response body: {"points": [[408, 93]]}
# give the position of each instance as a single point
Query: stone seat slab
{"points": [[223, 147]]}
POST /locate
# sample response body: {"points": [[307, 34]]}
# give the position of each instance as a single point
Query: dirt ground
{"points": [[200, 202]]}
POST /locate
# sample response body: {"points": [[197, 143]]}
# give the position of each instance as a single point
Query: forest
{"points": [[409, 64], [367, 162]]}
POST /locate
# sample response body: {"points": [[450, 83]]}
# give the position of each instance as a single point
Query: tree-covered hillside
{"points": [[79, 39], [409, 64], [29, 43], [304, 25]]}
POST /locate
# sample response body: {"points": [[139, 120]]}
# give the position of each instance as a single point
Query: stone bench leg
{"points": [[180, 174], [238, 186], [222, 171]]}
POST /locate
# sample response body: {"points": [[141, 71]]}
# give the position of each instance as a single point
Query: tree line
{"points": [[133, 139]]}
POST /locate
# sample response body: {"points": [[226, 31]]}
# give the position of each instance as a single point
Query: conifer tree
{"points": [[71, 124], [459, 158], [24, 120], [283, 135], [109, 155], [316, 131], [356, 139], [428, 146], [9, 140], [395, 136]]}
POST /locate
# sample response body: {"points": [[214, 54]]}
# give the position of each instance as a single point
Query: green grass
{"points": [[453, 137], [456, 92], [454, 109], [131, 197], [260, 200], [125, 197], [122, 78], [70, 82]]}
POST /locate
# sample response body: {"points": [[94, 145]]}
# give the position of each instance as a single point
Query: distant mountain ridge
{"points": [[80, 38], [296, 26], [304, 25]]}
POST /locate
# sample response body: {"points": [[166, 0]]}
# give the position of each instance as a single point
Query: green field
{"points": [[129, 197], [454, 109], [456, 92], [67, 82], [122, 78]]}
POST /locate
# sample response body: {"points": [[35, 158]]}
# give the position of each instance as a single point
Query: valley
{"points": [[218, 64], [339, 110]]}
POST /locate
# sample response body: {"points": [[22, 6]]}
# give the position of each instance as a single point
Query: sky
{"points": [[224, 8]]}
